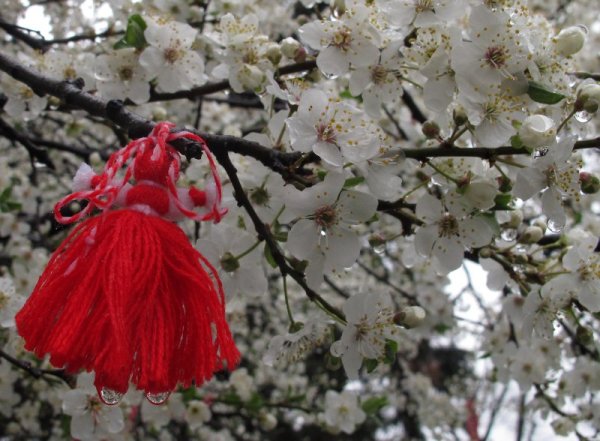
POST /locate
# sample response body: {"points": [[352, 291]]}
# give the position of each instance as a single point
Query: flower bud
{"points": [[159, 113], [53, 101], [516, 218], [531, 234], [376, 240], [338, 7], [541, 223], [295, 327], [460, 116], [273, 53], [590, 183], [267, 421], [588, 97], [563, 426], [570, 40], [251, 77], [537, 130], [229, 262], [584, 335], [486, 252], [430, 129], [95, 159], [504, 184], [289, 47], [410, 316]]}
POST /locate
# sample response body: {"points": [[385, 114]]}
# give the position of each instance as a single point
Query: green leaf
{"points": [[6, 203], [347, 95], [391, 349], [374, 404], [542, 94], [134, 34], [281, 236], [6, 193], [231, 398], [490, 219], [13, 206], [353, 182], [503, 202], [241, 224], [296, 398], [269, 257], [515, 142], [189, 394], [255, 403], [370, 364], [441, 328]]}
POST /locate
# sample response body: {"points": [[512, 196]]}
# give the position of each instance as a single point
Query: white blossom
{"points": [[448, 231], [342, 412], [323, 235], [119, 75], [370, 320], [170, 57], [90, 418], [342, 43], [10, 302], [334, 130]]}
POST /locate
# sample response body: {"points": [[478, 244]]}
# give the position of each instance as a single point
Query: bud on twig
{"points": [[589, 183], [410, 316]]}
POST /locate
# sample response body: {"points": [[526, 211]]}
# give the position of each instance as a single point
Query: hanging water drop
{"points": [[330, 76], [110, 397], [554, 226], [157, 398], [583, 116], [509, 235], [379, 249]]}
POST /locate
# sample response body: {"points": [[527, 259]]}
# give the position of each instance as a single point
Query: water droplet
{"points": [[509, 235], [158, 398], [110, 397], [583, 116], [554, 226]]}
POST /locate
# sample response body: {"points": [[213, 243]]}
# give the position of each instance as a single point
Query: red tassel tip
{"points": [[126, 295]]}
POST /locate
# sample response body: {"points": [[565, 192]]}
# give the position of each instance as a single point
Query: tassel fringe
{"points": [[126, 295]]}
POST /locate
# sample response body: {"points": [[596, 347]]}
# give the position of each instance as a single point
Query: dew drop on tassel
{"points": [[110, 397], [157, 398]]}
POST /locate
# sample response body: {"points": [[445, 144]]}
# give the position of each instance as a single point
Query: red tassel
{"points": [[126, 295]]}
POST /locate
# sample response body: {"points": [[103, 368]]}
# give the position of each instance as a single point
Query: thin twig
{"points": [[265, 234], [37, 372]]}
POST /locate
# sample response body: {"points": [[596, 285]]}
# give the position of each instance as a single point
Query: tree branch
{"points": [[209, 88], [37, 372], [265, 234], [137, 126]]}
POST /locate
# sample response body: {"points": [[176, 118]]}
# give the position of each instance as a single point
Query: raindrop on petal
{"points": [[509, 235], [554, 226], [330, 76], [379, 249], [157, 398], [583, 116], [110, 397]]}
